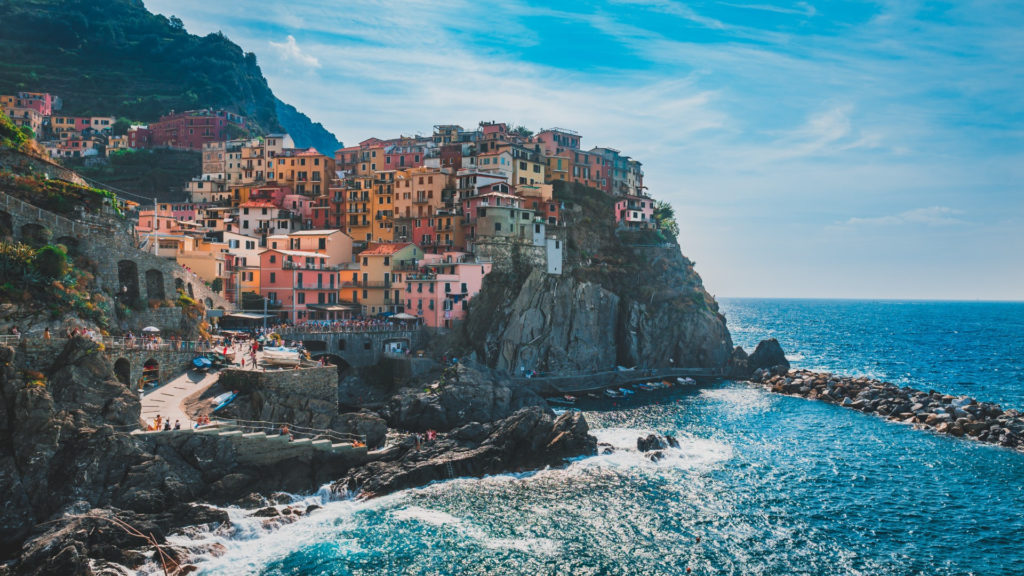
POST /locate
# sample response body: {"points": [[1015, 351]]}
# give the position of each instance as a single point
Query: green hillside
{"points": [[115, 58]]}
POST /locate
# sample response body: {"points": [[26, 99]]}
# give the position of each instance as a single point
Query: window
{"points": [[322, 243], [497, 226], [273, 277], [300, 298], [273, 259]]}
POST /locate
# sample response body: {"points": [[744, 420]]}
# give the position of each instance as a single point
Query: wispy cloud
{"points": [[791, 113], [931, 216], [289, 50]]}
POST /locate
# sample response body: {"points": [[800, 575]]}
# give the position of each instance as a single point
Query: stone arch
{"points": [[179, 284], [123, 371], [335, 360], [35, 235], [6, 224], [70, 243], [315, 346], [128, 278], [155, 284]]}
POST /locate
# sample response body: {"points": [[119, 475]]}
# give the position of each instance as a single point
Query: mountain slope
{"points": [[115, 58], [304, 131]]}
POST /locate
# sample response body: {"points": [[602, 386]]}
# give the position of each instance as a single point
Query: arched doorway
{"points": [[209, 303], [155, 284], [151, 372], [123, 371], [6, 225], [35, 235], [191, 294], [334, 360], [179, 284], [70, 244], [128, 278]]}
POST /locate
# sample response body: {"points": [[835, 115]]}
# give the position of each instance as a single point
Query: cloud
{"points": [[931, 216], [290, 50]]}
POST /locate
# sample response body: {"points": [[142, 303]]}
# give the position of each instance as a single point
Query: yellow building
{"points": [[379, 282]]}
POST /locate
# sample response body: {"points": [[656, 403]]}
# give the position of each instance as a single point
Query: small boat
{"points": [[686, 381], [223, 400], [202, 363], [593, 395], [626, 391], [613, 393], [560, 411], [646, 387], [281, 356]]}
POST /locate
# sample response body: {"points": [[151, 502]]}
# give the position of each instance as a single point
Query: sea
{"points": [[762, 484]]}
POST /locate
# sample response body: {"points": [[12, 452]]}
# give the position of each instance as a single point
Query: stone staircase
{"points": [[262, 449]]}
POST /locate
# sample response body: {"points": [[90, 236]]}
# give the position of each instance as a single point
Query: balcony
{"points": [[315, 267], [422, 200]]}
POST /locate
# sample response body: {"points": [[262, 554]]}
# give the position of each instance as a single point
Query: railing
{"points": [[120, 343], [332, 328]]}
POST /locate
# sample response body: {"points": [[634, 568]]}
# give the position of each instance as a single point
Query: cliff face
{"points": [[625, 298]]}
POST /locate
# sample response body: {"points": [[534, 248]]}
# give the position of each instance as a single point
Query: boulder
{"points": [[651, 442]]}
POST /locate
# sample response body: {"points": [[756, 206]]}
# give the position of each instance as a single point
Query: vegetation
{"points": [[665, 217], [47, 278], [160, 174], [12, 136], [115, 58], [57, 196]]}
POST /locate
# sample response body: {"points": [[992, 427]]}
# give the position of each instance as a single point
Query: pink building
{"points": [[634, 211], [302, 285], [439, 293]]}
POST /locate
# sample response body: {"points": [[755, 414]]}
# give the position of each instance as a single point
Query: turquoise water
{"points": [[771, 485]]}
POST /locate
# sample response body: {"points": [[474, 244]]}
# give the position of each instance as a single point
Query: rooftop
{"points": [[385, 249]]}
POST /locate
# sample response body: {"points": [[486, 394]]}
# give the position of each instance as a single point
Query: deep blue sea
{"points": [[770, 485]]}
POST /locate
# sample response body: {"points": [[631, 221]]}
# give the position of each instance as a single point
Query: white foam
{"points": [[693, 453], [425, 515], [794, 357]]}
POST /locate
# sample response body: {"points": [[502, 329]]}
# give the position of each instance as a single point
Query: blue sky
{"points": [[811, 149]]}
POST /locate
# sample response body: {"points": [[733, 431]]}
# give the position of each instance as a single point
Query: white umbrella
{"points": [[150, 329], [404, 316]]}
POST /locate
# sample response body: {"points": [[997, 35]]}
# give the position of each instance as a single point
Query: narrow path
{"points": [[167, 400]]}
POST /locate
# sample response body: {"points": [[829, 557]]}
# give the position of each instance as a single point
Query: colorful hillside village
{"points": [[407, 226]]}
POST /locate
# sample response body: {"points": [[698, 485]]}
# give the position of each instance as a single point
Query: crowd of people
{"points": [[357, 324]]}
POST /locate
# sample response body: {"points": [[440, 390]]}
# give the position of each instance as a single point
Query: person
{"points": [[46, 333], [177, 424], [158, 421], [167, 425], [286, 432], [14, 331]]}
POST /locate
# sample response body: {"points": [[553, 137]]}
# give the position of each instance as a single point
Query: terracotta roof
{"points": [[385, 249], [257, 204]]}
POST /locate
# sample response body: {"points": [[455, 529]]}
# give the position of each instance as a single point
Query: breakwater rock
{"points": [[960, 416]]}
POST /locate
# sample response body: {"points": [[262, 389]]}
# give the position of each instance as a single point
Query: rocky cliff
{"points": [[624, 298]]}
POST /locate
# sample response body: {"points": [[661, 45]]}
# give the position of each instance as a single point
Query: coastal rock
{"points": [[616, 302], [651, 442], [529, 438], [463, 394]]}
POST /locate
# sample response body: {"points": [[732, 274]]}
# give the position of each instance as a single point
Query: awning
{"points": [[333, 307], [404, 316]]}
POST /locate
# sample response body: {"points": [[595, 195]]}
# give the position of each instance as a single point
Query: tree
{"points": [[665, 217], [121, 126], [176, 23], [217, 285], [51, 261]]}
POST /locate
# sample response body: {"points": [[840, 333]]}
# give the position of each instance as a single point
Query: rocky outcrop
{"points": [[581, 322], [459, 395], [529, 438], [767, 356], [943, 413]]}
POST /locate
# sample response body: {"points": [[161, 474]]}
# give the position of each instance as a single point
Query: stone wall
{"points": [[507, 256], [27, 164], [38, 353], [357, 349], [124, 271]]}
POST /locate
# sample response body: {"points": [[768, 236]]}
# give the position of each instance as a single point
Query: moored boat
{"points": [[687, 381], [613, 393], [281, 356]]}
